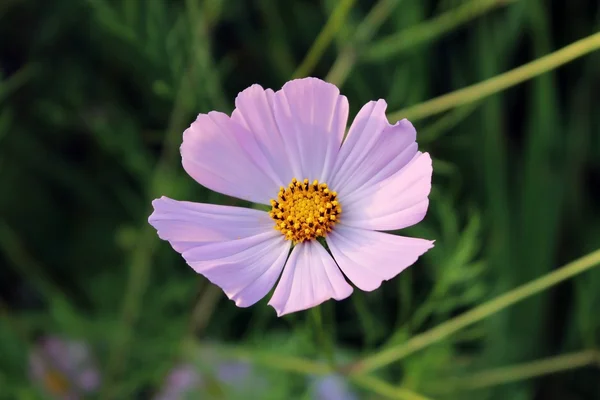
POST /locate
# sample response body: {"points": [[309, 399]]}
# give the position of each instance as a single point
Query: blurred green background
{"points": [[94, 97]]}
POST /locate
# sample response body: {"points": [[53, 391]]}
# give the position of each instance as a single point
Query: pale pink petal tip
{"points": [[310, 277], [245, 269], [368, 258], [398, 201], [235, 248]]}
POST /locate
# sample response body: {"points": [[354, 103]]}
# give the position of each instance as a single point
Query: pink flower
{"points": [[65, 369], [287, 149]]}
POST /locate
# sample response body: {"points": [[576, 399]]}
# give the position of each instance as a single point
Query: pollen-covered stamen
{"points": [[305, 211]]}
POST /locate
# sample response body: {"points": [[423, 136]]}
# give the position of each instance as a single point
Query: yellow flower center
{"points": [[56, 382], [305, 211]]}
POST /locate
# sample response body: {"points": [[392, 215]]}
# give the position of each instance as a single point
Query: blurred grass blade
{"points": [[366, 30], [499, 376], [322, 336], [17, 80], [386, 390], [141, 256], [434, 131], [429, 30], [500, 82], [479, 313], [280, 362], [5, 6], [204, 309], [377, 16], [111, 20], [29, 268], [335, 21], [279, 50], [366, 320]]}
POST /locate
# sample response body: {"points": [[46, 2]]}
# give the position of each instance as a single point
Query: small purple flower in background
{"points": [[181, 381], [332, 387], [287, 149], [64, 369], [193, 381]]}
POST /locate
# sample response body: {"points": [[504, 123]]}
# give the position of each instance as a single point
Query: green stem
{"points": [[491, 307], [333, 24], [447, 122], [325, 344], [430, 30], [499, 82], [278, 362], [204, 309], [499, 376], [25, 264], [16, 80], [384, 389], [364, 32]]}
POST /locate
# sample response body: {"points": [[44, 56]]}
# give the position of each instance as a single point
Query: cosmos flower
{"points": [[64, 369], [287, 150]]}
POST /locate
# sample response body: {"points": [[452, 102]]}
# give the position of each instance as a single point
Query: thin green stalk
{"points": [[384, 389], [374, 19], [141, 257], [333, 24], [479, 313], [325, 344], [499, 82], [283, 363], [201, 22], [365, 319], [204, 309], [14, 249], [364, 32], [342, 66], [275, 29], [499, 376], [16, 80], [434, 131], [429, 30]]}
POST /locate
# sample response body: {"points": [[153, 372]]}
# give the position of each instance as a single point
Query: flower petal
{"points": [[246, 269], [235, 248], [254, 111], [187, 225], [223, 156], [310, 277], [368, 258], [311, 116], [393, 203], [373, 149]]}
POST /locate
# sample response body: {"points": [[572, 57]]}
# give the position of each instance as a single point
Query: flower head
{"points": [[286, 149], [64, 369]]}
